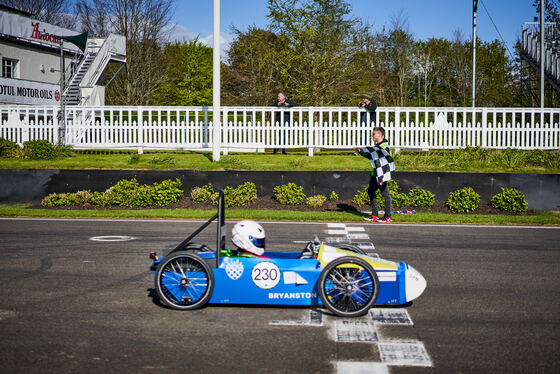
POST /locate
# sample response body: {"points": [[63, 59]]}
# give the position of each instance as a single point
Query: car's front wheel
{"points": [[184, 281], [348, 286]]}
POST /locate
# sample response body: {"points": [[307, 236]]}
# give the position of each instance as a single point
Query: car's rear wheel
{"points": [[184, 281], [352, 248], [348, 286]]}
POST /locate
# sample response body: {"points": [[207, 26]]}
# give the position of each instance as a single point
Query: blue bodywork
{"points": [[281, 278]]}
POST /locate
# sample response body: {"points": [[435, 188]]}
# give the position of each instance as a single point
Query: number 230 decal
{"points": [[266, 275]]}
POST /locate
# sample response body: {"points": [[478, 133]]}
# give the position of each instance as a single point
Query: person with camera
{"points": [[370, 106], [283, 117]]}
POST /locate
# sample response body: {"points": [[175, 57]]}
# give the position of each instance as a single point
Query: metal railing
{"points": [[530, 47], [259, 128]]}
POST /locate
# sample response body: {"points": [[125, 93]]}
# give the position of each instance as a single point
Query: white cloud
{"points": [[181, 33]]}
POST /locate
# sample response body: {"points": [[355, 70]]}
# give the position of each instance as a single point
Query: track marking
{"points": [[348, 231], [358, 236], [336, 232], [315, 319], [355, 228], [366, 246], [404, 353], [390, 316], [336, 225], [353, 367], [356, 331], [331, 240], [112, 238]]}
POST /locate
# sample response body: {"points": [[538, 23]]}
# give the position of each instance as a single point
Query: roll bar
{"points": [[220, 231]]}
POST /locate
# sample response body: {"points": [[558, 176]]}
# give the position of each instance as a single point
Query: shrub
{"points": [[361, 197], [239, 196], [133, 158], [100, 199], [554, 160], [289, 194], [463, 200], [125, 193], [38, 149], [333, 196], [167, 192], [510, 200], [538, 157], [54, 200], [419, 197], [316, 201], [66, 199], [398, 200], [9, 148], [201, 194], [63, 151]]}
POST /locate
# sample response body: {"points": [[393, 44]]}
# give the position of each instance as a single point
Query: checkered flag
{"points": [[381, 161]]}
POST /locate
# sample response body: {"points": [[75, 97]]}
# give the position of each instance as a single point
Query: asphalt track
{"points": [[70, 304]]}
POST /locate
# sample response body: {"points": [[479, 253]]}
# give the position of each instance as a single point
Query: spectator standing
{"points": [[382, 165], [283, 117], [370, 105]]}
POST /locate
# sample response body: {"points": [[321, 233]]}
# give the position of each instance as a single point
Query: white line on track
{"points": [[274, 222]]}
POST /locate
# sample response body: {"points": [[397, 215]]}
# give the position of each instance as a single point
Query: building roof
{"points": [[15, 10]]}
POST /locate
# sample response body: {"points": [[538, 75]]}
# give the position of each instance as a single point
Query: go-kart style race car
{"points": [[344, 279]]}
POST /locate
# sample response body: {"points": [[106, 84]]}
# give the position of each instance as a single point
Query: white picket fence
{"points": [[259, 128]]}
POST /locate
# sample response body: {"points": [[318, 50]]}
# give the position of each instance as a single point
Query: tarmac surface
{"points": [[71, 304]]}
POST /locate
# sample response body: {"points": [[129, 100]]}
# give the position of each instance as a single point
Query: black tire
{"points": [[352, 248], [348, 291], [192, 247], [184, 281]]}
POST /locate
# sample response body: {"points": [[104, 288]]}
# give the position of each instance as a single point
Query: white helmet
{"points": [[249, 236]]}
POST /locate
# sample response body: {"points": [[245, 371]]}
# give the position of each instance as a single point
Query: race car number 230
{"points": [[266, 275]]}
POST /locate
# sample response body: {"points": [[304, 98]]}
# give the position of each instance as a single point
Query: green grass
{"points": [[436, 160], [543, 218]]}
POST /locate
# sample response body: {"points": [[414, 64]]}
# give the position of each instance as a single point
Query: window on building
{"points": [[9, 68]]}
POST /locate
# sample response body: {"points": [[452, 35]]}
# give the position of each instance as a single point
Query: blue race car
{"points": [[344, 279]]}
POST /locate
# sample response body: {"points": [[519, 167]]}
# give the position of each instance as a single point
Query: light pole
{"points": [[216, 128], [62, 123], [542, 53], [475, 5]]}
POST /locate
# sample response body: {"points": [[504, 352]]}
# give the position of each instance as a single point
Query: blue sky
{"points": [[428, 18]]}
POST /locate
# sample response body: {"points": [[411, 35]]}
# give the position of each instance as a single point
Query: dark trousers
{"points": [[373, 187]]}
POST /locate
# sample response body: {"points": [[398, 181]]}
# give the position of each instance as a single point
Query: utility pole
{"points": [[542, 53], [216, 128], [475, 6]]}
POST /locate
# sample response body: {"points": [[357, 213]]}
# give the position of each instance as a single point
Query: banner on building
{"points": [[34, 31], [18, 91]]}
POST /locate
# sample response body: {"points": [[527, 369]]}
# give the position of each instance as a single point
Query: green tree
{"points": [[317, 65], [188, 75], [253, 73]]}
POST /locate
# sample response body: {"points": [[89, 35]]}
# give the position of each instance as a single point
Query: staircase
{"points": [[98, 55], [530, 50]]}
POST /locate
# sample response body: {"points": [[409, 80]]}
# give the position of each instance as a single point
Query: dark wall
{"points": [[542, 191]]}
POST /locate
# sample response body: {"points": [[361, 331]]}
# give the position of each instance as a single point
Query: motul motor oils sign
{"points": [[17, 91], [32, 30]]}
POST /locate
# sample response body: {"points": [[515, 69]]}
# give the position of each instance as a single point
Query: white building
{"points": [[30, 58]]}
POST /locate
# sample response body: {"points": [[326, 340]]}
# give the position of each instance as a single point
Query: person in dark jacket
{"points": [[382, 165], [283, 118], [370, 105]]}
